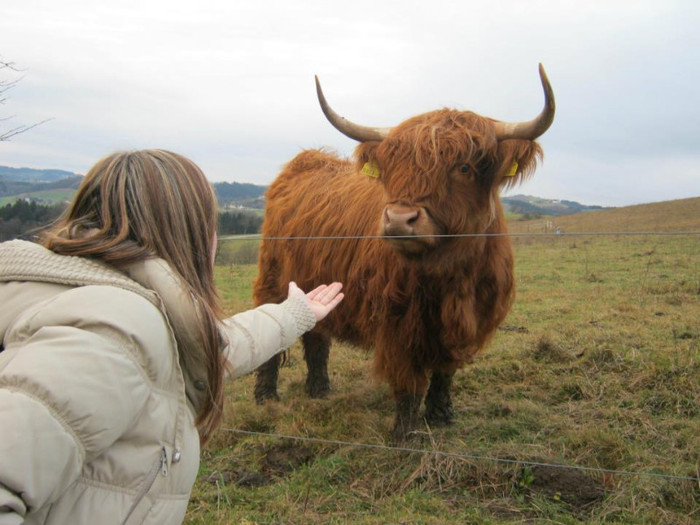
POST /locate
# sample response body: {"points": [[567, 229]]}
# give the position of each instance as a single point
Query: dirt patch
{"points": [[284, 458], [244, 478], [573, 487], [276, 461]]}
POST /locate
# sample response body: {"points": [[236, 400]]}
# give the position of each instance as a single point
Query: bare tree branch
{"points": [[20, 129], [5, 86]]}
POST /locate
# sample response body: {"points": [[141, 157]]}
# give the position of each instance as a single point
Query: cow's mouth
{"points": [[410, 246]]}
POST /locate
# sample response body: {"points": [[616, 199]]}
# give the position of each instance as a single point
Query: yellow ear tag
{"points": [[513, 170], [370, 169]]}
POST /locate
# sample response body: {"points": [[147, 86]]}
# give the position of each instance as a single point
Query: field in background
{"points": [[48, 197], [597, 367]]}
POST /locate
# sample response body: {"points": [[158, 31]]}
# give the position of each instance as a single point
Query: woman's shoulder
{"points": [[91, 357], [105, 305], [122, 319]]}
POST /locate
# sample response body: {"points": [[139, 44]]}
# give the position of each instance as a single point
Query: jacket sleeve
{"points": [[66, 394], [254, 336], [26, 470]]}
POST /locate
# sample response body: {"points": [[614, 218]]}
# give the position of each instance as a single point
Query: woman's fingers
{"points": [[325, 293]]}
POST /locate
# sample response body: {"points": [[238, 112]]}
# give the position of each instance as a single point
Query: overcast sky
{"points": [[230, 83]]}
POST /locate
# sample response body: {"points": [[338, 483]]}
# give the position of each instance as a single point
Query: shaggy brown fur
{"points": [[425, 311]]}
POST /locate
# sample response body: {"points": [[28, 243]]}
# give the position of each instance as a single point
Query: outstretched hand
{"points": [[321, 300]]}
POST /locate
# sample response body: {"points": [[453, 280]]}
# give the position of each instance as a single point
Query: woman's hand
{"points": [[321, 300]]}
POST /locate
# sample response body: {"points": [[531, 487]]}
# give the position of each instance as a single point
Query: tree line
{"points": [[24, 218], [239, 222]]}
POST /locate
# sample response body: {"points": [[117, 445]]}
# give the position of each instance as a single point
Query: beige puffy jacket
{"points": [[96, 416]]}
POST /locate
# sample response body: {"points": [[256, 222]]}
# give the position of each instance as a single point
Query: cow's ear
{"points": [[366, 158], [518, 160]]}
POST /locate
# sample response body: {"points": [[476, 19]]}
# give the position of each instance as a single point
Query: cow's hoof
{"points": [[413, 437], [403, 433], [439, 416], [266, 395], [399, 437], [318, 389]]}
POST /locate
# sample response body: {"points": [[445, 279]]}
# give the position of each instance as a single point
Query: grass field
{"points": [[584, 409], [44, 197]]}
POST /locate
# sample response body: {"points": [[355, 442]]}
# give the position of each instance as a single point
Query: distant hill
{"points": [[41, 186], [678, 215], [235, 194], [34, 175], [533, 206], [51, 186], [61, 184], [49, 193]]}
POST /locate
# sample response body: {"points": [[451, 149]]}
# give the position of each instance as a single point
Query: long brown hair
{"points": [[132, 206]]}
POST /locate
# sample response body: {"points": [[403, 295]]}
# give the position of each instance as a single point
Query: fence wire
{"points": [[456, 236], [456, 455]]}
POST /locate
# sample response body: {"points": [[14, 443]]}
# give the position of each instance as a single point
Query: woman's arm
{"points": [[254, 336]]}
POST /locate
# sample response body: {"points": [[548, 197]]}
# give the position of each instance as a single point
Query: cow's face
{"points": [[442, 173]]}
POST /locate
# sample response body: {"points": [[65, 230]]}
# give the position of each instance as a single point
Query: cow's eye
{"points": [[465, 168]]}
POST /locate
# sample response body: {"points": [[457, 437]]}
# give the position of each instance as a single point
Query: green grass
{"points": [[47, 197], [597, 366]]}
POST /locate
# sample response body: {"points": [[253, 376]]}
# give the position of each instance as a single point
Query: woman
{"points": [[114, 349]]}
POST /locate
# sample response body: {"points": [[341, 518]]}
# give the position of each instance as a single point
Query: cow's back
{"points": [[321, 225]]}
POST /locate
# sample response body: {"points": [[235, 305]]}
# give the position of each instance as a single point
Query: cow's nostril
{"points": [[400, 220], [401, 216]]}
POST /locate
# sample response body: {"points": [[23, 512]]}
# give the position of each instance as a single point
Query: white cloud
{"points": [[231, 83]]}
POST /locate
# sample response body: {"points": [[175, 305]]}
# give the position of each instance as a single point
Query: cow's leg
{"points": [[438, 401], [407, 407], [266, 380], [316, 350]]}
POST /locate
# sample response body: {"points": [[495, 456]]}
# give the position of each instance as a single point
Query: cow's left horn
{"points": [[534, 128], [352, 130]]}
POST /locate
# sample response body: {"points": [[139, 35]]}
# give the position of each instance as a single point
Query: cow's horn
{"points": [[534, 128], [352, 130]]}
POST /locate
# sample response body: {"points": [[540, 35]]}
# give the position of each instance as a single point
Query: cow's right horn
{"points": [[352, 130], [534, 128]]}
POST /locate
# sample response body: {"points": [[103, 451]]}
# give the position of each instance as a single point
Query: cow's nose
{"points": [[399, 220]]}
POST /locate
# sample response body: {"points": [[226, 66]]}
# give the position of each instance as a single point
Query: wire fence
{"points": [[693, 248], [457, 455], [461, 235]]}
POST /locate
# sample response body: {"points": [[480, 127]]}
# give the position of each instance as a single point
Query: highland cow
{"points": [[414, 228]]}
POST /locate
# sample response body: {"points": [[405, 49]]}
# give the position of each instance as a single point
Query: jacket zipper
{"points": [[160, 465]]}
